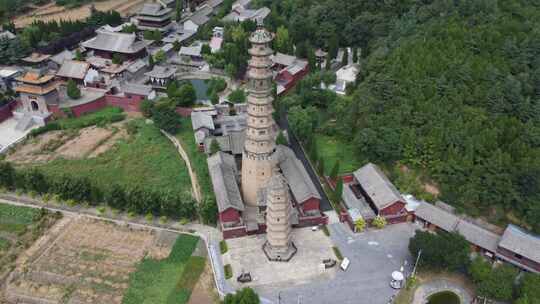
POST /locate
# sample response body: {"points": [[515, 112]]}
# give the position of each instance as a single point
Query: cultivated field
{"points": [[89, 261], [19, 228], [52, 11]]}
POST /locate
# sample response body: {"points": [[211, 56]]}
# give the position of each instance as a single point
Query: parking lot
{"points": [[374, 254]]}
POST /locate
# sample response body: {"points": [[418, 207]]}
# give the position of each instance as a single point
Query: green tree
{"points": [[338, 192], [177, 45], [440, 251], [7, 175], [281, 140], [214, 98], [529, 288], [237, 96], [205, 49], [320, 166], [187, 95], [117, 59], [499, 284], [146, 108], [243, 296], [160, 57], [480, 269], [209, 211], [78, 55], [179, 9], [345, 58], [355, 54], [282, 41], [165, 117], [359, 225], [335, 170], [214, 147], [72, 90], [151, 61]]}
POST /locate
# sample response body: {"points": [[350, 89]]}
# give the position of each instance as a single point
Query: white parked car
{"points": [[344, 264]]}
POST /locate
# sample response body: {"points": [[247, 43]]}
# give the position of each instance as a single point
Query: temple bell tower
{"points": [[258, 156]]}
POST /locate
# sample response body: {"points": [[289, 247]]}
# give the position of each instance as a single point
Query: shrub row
{"points": [[80, 189], [101, 118]]}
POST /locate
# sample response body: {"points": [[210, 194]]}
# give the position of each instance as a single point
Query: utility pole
{"points": [[416, 264]]}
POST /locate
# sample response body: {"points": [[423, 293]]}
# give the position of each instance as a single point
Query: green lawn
{"points": [[167, 281], [147, 159], [331, 149], [4, 244]]}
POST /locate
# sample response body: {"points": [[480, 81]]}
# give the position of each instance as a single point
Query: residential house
{"points": [[241, 12], [344, 76], [217, 39]]}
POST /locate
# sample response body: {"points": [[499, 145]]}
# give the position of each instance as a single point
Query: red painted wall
{"points": [[93, 106], [184, 112], [6, 110], [234, 232], [229, 215], [394, 209], [129, 103], [311, 204]]}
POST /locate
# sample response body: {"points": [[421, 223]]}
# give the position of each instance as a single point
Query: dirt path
{"points": [[52, 11], [204, 291], [196, 188]]}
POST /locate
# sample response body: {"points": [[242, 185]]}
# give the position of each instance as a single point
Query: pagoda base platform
{"points": [[278, 254]]}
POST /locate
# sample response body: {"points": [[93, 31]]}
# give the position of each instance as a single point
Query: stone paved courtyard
{"points": [[374, 254], [313, 246]]}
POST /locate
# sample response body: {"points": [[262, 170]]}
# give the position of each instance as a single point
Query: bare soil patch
{"points": [[431, 189], [204, 292], [83, 261], [88, 142], [51, 11]]}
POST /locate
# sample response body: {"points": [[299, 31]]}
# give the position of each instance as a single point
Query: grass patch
{"points": [[228, 271], [332, 149], [18, 215], [223, 247], [147, 159], [325, 230], [169, 280], [4, 244], [198, 159], [338, 254]]}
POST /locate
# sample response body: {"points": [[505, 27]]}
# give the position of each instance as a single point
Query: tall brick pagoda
{"points": [[258, 161]]}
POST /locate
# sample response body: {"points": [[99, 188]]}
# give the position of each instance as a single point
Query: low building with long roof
{"points": [[108, 44]]}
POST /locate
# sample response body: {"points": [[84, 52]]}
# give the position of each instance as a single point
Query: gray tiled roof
{"points": [[354, 203], [115, 42], [191, 51], [201, 120], [283, 59], [137, 89], [154, 9], [7, 35], [136, 66], [377, 186], [518, 241], [437, 216], [299, 181], [223, 172], [161, 72], [232, 142], [62, 56], [73, 69], [201, 17], [478, 235]]}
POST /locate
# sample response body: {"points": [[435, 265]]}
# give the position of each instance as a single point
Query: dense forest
{"points": [[449, 88]]}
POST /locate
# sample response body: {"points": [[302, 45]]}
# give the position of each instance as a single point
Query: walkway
{"points": [[427, 289], [196, 188]]}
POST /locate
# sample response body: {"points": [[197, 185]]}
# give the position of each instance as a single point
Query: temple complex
{"points": [[271, 191]]}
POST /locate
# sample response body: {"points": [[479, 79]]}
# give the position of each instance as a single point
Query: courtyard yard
{"points": [[373, 255], [245, 254]]}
